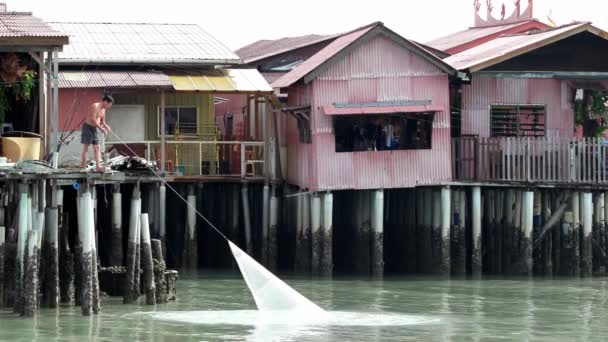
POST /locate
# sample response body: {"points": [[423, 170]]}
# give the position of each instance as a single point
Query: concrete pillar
{"points": [[190, 257], [327, 262], [159, 272], [86, 219], [363, 225], [377, 234], [317, 235], [30, 280], [446, 205], [273, 231], [587, 243], [498, 230], [147, 261], [476, 257], [52, 254], [2, 257], [21, 243], [134, 222], [528, 225], [265, 224], [116, 258], [459, 235], [508, 232]]}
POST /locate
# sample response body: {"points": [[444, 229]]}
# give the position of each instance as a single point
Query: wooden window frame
{"points": [[500, 129], [160, 134]]}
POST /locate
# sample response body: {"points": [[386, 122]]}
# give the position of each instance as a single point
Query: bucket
{"points": [[19, 148]]}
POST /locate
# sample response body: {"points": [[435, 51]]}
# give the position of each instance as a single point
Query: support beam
{"points": [[134, 222], [116, 257], [327, 262], [265, 223], [247, 219], [587, 245], [273, 231], [317, 235], [147, 261], [190, 257], [528, 226], [446, 197], [476, 258], [377, 234]]}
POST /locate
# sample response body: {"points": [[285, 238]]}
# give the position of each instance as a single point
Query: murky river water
{"points": [[219, 307]]}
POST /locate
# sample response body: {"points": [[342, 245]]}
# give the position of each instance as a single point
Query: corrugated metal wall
{"points": [[484, 92], [379, 70], [73, 105]]}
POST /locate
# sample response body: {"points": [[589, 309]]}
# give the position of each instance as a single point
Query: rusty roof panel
{"points": [[506, 47], [263, 49]]}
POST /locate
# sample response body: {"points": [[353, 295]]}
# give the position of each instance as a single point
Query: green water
{"points": [[219, 307]]}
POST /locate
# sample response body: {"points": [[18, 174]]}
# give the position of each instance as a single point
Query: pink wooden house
{"points": [[371, 110]]}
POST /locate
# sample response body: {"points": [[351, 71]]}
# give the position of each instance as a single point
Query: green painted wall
{"points": [[187, 155]]}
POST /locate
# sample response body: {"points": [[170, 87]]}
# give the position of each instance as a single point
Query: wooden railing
{"points": [[243, 159], [536, 160]]}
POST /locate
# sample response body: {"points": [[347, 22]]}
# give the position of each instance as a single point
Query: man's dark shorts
{"points": [[89, 135]]}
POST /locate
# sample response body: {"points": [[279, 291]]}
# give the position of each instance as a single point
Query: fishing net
{"points": [[269, 292]]}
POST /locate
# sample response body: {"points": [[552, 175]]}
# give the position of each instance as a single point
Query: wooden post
{"points": [[247, 218], [265, 223], [377, 234], [163, 133], [273, 238], [327, 263], [159, 272], [317, 237], [147, 261], [476, 258], [587, 243], [116, 257]]}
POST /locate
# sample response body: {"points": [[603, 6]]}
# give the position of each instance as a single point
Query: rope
{"points": [[174, 191]]}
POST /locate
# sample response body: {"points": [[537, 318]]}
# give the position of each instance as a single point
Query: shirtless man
{"points": [[95, 118]]}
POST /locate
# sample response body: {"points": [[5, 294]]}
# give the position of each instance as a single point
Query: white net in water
{"points": [[269, 292]]}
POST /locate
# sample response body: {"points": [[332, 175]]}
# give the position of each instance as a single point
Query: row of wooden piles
{"points": [[39, 267]]}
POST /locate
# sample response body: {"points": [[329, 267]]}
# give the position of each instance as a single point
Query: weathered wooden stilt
{"points": [[327, 263], [576, 233], [508, 232], [247, 219], [299, 257], [498, 230], [436, 235], [134, 222], [265, 224], [377, 234], [476, 257], [363, 233], [317, 235], [587, 243], [190, 258], [2, 261], [116, 257], [307, 233], [159, 272], [147, 261]]}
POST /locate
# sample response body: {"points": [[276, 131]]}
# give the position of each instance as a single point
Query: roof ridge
{"points": [[120, 23], [531, 33]]}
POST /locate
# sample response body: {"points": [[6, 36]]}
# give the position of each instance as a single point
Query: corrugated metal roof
{"points": [[346, 40], [362, 109], [24, 24], [507, 47], [113, 43], [229, 80], [112, 79], [323, 56], [471, 34], [263, 49]]}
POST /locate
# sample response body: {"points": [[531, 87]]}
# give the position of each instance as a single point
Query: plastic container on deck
{"points": [[19, 146]]}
